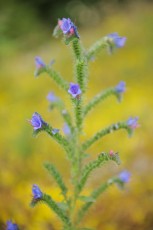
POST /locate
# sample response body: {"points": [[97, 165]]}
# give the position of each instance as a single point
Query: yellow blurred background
{"points": [[22, 156]]}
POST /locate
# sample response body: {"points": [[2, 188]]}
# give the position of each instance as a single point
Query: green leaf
{"points": [[56, 175], [86, 199]]}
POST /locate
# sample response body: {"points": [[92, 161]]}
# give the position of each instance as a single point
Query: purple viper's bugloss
{"points": [[120, 88], [74, 90], [68, 27], [11, 226], [117, 40], [132, 122], [124, 176], [37, 194], [37, 121], [39, 62]]}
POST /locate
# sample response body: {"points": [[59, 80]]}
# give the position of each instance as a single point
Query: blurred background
{"points": [[25, 32]]}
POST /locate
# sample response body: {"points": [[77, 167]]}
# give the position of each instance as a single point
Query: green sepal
{"points": [[57, 31], [39, 71], [68, 39], [57, 176]]}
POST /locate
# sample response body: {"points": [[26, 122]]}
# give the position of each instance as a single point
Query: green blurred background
{"points": [[25, 32]]}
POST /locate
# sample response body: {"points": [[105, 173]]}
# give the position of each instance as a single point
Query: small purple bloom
{"points": [[68, 27], [11, 226], [36, 121], [132, 122], [39, 62], [117, 40], [120, 88], [124, 176], [66, 129], [51, 97], [74, 90], [65, 25], [54, 131], [37, 194]]}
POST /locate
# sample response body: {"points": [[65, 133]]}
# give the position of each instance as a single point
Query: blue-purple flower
{"points": [[51, 97], [132, 122], [11, 226], [68, 27], [37, 121], [54, 131], [40, 65], [74, 90], [66, 129], [120, 88], [37, 193], [39, 62], [124, 176], [116, 40]]}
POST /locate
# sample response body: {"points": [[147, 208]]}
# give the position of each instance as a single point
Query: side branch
{"points": [[103, 132], [89, 168], [96, 48], [57, 78], [98, 98], [61, 140], [94, 195]]}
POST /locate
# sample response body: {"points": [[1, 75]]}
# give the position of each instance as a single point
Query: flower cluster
{"points": [[11, 226], [68, 28], [37, 122]]}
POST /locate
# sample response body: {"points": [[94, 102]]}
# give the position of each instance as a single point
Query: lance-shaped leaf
{"points": [[56, 175], [46, 199], [57, 78], [104, 132], [94, 195], [89, 168]]}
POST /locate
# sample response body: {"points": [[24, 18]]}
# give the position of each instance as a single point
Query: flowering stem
{"points": [[57, 78], [103, 132], [96, 48], [98, 98]]}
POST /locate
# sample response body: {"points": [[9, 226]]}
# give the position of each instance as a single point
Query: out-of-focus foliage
{"points": [[22, 156]]}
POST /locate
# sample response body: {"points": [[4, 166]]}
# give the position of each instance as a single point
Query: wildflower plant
{"points": [[76, 151]]}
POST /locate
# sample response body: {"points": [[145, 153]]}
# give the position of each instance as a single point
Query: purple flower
{"points": [[132, 122], [68, 27], [37, 194], [124, 176], [39, 62], [51, 97], [11, 226], [36, 121], [116, 40], [74, 90], [120, 88], [54, 131], [66, 129]]}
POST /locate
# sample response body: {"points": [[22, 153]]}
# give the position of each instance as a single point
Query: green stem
{"points": [[104, 132], [98, 98]]}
